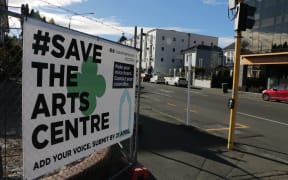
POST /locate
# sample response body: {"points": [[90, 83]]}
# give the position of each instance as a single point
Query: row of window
{"points": [[172, 60], [183, 40], [163, 49], [174, 38]]}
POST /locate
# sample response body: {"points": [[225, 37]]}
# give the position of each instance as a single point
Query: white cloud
{"points": [[215, 2], [225, 41], [42, 3], [98, 26]]}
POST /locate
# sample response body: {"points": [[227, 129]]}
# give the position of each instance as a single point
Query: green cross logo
{"points": [[88, 81]]}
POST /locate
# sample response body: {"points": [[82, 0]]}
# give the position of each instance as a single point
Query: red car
{"points": [[279, 93]]}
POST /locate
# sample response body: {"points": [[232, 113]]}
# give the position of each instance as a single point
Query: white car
{"points": [[176, 81]]}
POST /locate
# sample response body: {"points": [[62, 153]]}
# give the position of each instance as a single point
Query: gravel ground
{"points": [[11, 157], [11, 162]]}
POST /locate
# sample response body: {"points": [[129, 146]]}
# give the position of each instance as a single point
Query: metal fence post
{"points": [[1, 164]]}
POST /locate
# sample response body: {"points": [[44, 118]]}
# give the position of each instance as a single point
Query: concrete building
{"points": [[162, 49], [204, 61], [264, 49]]}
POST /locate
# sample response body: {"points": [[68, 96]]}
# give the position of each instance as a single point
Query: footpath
{"points": [[186, 153], [171, 151]]}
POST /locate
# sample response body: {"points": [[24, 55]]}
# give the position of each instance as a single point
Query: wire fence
{"points": [[10, 98]]}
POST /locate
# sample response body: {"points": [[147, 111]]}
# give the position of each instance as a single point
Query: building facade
{"points": [[264, 49], [203, 58], [206, 63], [228, 53], [162, 49]]}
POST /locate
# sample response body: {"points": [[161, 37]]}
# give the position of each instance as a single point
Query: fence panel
{"points": [[10, 98]]}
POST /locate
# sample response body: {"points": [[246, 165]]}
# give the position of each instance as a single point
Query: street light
{"points": [[77, 15]]}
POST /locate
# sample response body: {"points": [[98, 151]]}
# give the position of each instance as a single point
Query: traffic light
{"points": [[245, 17]]}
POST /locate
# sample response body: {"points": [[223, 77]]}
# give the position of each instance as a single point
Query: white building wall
{"points": [[229, 57], [167, 45], [162, 49]]}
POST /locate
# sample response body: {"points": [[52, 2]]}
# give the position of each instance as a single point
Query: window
{"points": [[202, 42], [162, 59], [183, 40], [173, 50], [212, 44], [174, 38], [173, 60], [162, 48], [195, 42], [163, 38]]}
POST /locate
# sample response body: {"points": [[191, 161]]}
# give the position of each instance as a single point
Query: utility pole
{"points": [[188, 89], [245, 19], [132, 150], [233, 101], [138, 96]]}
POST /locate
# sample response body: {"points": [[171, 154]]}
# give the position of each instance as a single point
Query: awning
{"points": [[267, 58]]}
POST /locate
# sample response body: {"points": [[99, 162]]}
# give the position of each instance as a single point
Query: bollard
{"points": [[225, 87]]}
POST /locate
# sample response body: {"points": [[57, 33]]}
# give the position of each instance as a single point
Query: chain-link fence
{"points": [[10, 98]]}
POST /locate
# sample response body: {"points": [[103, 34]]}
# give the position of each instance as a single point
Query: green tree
{"points": [[11, 59], [51, 21]]}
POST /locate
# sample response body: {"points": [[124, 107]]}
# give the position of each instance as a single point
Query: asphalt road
{"points": [[258, 123]]}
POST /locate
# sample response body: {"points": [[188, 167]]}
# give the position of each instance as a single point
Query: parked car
{"points": [[181, 82], [147, 78], [157, 79], [279, 93], [176, 81]]}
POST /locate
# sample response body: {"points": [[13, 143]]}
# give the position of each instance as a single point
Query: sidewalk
{"points": [[171, 150]]}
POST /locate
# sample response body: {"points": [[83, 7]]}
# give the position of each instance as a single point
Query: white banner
{"points": [[78, 95]]}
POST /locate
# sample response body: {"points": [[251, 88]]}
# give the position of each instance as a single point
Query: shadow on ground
{"points": [[160, 135]]}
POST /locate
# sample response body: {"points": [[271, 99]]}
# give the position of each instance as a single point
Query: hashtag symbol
{"points": [[41, 43]]}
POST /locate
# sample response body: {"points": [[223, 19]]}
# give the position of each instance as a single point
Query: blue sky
{"points": [[112, 17]]}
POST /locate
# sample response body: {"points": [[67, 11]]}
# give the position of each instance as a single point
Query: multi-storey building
{"points": [[206, 64], [264, 48], [162, 49]]}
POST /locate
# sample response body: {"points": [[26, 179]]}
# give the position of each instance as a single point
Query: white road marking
{"points": [[264, 119], [198, 93], [161, 94], [166, 91]]}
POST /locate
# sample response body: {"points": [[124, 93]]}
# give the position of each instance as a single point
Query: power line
{"points": [[87, 17]]}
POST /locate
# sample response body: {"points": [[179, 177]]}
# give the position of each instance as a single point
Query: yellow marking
{"points": [[241, 126], [238, 126], [170, 104], [217, 129]]}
